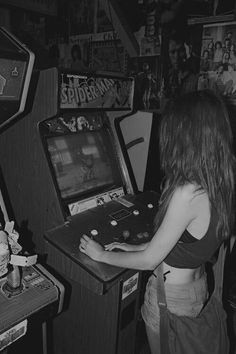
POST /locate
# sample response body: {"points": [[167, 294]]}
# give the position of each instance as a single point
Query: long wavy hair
{"points": [[195, 140]]}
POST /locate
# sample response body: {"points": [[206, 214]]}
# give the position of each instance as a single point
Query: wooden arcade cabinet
{"points": [[27, 289], [105, 300], [99, 201], [74, 178]]}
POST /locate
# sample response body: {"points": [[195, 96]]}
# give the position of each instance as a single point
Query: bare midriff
{"points": [[181, 275]]}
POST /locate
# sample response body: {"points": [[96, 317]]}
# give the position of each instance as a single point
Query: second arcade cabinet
{"points": [[29, 294]]}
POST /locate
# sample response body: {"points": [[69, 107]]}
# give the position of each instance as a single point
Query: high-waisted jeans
{"points": [[182, 299]]}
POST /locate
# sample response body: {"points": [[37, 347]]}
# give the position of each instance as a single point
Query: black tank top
{"points": [[190, 252]]}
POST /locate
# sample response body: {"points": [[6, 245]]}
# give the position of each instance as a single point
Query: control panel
{"points": [[38, 289], [125, 219]]}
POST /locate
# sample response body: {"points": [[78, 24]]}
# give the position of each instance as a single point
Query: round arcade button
{"points": [[113, 222], [136, 212], [94, 232], [126, 234], [150, 205]]}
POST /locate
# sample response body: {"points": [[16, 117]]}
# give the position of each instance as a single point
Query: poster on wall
{"points": [[180, 67], [218, 59], [108, 56], [146, 73]]}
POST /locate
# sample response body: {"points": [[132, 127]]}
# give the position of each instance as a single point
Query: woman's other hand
{"points": [[125, 246], [118, 245]]}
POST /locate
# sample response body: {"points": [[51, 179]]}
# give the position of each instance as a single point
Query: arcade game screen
{"points": [[12, 73], [82, 163]]}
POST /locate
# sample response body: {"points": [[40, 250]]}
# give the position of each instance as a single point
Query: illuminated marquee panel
{"points": [[96, 92]]}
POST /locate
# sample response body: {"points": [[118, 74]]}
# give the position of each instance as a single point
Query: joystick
{"points": [[13, 285]]}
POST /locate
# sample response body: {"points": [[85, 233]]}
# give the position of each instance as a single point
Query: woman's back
{"points": [[197, 243]]}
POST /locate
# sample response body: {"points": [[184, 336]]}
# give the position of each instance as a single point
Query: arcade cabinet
{"points": [[29, 294], [27, 290], [21, 145], [74, 176], [97, 198]]}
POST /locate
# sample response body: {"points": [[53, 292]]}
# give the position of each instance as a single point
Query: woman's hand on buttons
{"points": [[91, 248], [118, 245]]}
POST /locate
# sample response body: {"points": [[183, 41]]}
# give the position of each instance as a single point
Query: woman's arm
{"points": [[178, 216]]}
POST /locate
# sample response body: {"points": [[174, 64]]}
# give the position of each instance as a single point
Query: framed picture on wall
{"points": [[218, 59], [146, 72], [180, 65], [109, 56]]}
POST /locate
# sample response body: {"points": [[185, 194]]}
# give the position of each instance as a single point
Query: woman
{"points": [[230, 81], [77, 61], [225, 60], [218, 54], [211, 49], [205, 63], [232, 54], [195, 208]]}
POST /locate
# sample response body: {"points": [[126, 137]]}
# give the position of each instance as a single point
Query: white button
{"points": [[113, 223], [126, 234], [136, 212], [150, 205], [94, 232]]}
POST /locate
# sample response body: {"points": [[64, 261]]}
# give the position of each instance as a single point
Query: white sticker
{"points": [[100, 199], [23, 261], [130, 285], [12, 334], [124, 202]]}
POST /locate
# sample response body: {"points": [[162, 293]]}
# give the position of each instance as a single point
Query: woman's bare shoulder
{"points": [[190, 196], [187, 192]]}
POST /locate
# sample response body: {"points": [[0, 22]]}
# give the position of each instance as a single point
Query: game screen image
{"points": [[82, 163], [11, 78]]}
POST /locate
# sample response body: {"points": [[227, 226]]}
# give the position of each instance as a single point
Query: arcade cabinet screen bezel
{"points": [[104, 133], [19, 59]]}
